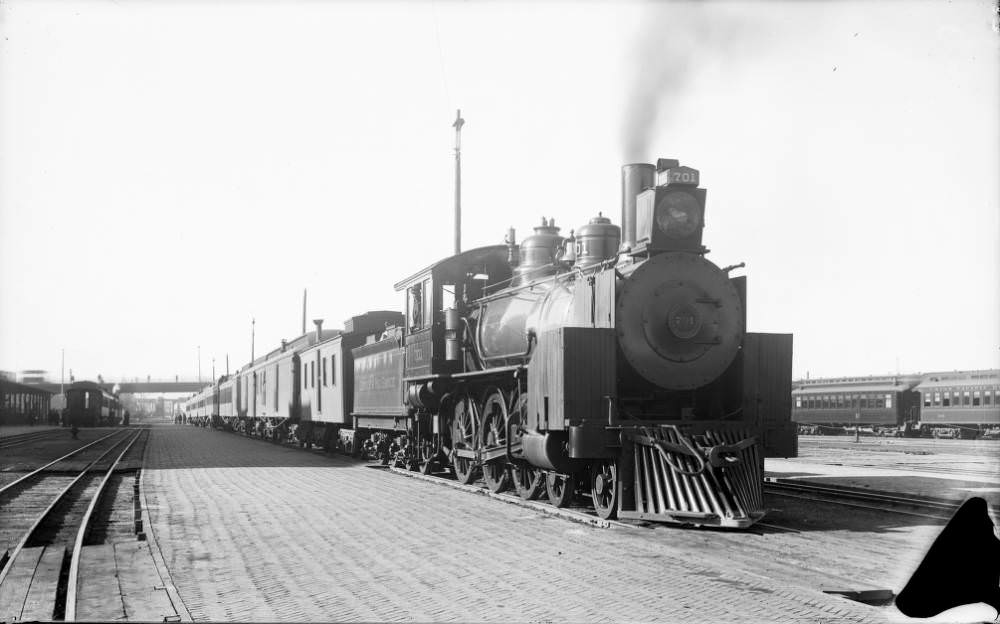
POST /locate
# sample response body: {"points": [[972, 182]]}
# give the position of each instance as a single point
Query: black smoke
{"points": [[673, 41]]}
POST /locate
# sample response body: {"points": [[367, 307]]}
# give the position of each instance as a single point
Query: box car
{"points": [[328, 381]]}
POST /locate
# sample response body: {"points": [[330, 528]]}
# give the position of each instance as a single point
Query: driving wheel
{"points": [[494, 436]]}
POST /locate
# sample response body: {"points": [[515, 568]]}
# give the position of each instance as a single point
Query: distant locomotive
{"points": [[89, 405], [616, 363]]}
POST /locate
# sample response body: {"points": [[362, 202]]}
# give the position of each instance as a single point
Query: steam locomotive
{"points": [[614, 361]]}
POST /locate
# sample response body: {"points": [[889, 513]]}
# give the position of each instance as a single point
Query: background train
{"points": [[22, 404], [615, 361], [89, 405], [947, 404]]}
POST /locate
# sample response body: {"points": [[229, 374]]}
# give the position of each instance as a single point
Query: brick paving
{"points": [[253, 531]]}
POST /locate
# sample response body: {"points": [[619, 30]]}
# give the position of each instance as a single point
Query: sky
{"points": [[171, 170]]}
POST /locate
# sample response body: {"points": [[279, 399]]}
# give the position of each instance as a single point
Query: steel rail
{"points": [[24, 438], [12, 558], [81, 534], [876, 501], [950, 470], [66, 456]]}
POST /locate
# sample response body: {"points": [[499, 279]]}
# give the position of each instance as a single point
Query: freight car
{"points": [[616, 363], [90, 405]]}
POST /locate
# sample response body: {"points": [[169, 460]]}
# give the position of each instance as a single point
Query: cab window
{"points": [[449, 299], [428, 313], [415, 307]]}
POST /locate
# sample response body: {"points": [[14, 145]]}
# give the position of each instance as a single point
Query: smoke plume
{"points": [[673, 41]]}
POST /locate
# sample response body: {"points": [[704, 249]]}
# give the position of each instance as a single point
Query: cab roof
{"points": [[491, 260]]}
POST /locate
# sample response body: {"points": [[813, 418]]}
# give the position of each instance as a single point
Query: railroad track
{"points": [[950, 470], [31, 436], [50, 513], [925, 507], [917, 467]]}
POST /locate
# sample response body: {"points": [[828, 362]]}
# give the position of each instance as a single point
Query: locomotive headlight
{"points": [[678, 214]]}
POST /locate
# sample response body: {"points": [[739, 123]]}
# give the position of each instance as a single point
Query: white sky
{"points": [[169, 170]]}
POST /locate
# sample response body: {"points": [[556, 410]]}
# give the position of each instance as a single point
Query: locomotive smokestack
{"points": [[635, 178]]}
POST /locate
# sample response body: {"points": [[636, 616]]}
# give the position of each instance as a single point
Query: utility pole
{"points": [[213, 370], [227, 365], [199, 363], [253, 324], [459, 122], [304, 292], [62, 388]]}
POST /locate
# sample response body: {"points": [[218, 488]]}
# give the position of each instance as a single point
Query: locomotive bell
{"points": [[597, 241]]}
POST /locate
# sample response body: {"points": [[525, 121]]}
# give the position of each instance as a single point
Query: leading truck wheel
{"points": [[529, 482], [559, 488], [604, 488]]}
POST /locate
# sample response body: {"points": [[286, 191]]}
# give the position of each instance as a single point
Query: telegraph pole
{"points": [[199, 363], [62, 388], [459, 122], [253, 323], [304, 292]]}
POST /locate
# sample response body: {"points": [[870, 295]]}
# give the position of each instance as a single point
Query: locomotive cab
{"points": [[433, 296]]}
